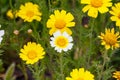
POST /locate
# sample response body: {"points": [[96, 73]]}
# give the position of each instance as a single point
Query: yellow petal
{"points": [[103, 9], [93, 12], [86, 8]]}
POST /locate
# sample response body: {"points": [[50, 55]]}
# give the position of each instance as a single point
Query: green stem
{"points": [[61, 66], [105, 56], [91, 42]]}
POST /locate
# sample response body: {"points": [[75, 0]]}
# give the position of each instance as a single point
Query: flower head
{"points": [[1, 34], [116, 75], [11, 14], [110, 39], [61, 41], [80, 74], [95, 6], [60, 21], [29, 12], [32, 52], [116, 14]]}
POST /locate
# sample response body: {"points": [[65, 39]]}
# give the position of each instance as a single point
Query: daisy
{"points": [[60, 20], [95, 6], [61, 41], [29, 12], [32, 52], [116, 14], [80, 74], [110, 38]]}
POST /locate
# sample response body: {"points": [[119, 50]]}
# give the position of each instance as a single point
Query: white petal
{"points": [[70, 46], [59, 50], [70, 39], [57, 33], [52, 38], [1, 32], [65, 34], [65, 49], [52, 43], [0, 39]]}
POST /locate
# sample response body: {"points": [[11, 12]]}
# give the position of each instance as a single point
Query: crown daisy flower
{"points": [[1, 34], [116, 75], [29, 12], [61, 41], [80, 74], [60, 20], [32, 52], [110, 38], [116, 14], [95, 6]]}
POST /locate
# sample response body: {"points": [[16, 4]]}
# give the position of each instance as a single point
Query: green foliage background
{"points": [[87, 51]]}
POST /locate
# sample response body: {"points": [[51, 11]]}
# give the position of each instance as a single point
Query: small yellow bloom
{"points": [[32, 52], [29, 12], [10, 14], [116, 75], [95, 6], [80, 74], [60, 21], [110, 39], [116, 14]]}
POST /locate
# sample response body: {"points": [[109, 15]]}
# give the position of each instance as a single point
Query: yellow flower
{"points": [[116, 14], [95, 6], [80, 74], [10, 14], [110, 39], [116, 75], [29, 12], [32, 52], [61, 41], [60, 21]]}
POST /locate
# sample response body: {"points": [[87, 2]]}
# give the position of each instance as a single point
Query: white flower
{"points": [[1, 34], [61, 41]]}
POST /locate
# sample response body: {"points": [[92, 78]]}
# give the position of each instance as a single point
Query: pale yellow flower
{"points": [[95, 6], [110, 39], [60, 20]]}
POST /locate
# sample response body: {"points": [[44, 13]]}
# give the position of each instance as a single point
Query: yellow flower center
{"points": [[80, 79], [119, 16], [96, 3], [110, 39], [32, 54], [61, 42], [30, 13], [60, 24]]}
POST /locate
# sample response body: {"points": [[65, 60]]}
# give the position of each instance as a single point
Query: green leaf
{"points": [[9, 72]]}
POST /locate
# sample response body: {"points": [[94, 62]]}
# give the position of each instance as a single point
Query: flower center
{"points": [[119, 16], [61, 42], [60, 24], [32, 54], [110, 39], [30, 13], [80, 79], [96, 3]]}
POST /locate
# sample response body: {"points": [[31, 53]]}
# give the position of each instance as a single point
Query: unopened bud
{"points": [[16, 32], [29, 31]]}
